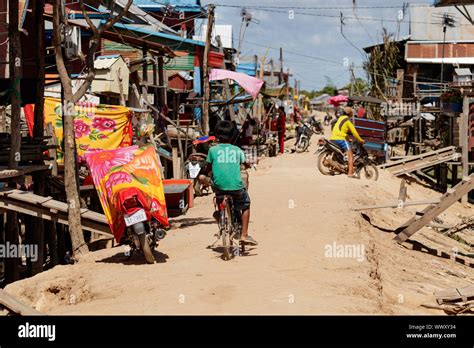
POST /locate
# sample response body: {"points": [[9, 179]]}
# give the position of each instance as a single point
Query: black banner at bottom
{"points": [[214, 330]]}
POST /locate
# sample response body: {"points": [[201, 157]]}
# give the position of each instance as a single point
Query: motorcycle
{"points": [[142, 232], [196, 163], [304, 138], [332, 159], [316, 125]]}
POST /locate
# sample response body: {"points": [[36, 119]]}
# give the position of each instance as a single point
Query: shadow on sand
{"points": [[136, 258]]}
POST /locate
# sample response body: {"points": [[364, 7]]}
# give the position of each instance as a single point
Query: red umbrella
{"points": [[338, 99]]}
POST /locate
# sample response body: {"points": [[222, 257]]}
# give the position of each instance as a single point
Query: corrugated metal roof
{"points": [[151, 34], [463, 71], [440, 3], [463, 60], [181, 5], [185, 63], [105, 62], [185, 75], [145, 16], [425, 24], [248, 69]]}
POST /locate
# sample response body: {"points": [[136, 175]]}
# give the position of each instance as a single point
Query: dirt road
{"points": [[301, 220]]}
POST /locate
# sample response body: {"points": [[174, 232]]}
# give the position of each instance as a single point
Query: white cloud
{"points": [[315, 39]]}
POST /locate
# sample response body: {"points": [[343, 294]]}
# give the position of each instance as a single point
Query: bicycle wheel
{"points": [[226, 233]]}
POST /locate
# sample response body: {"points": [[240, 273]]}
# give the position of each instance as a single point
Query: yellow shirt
{"points": [[340, 133]]}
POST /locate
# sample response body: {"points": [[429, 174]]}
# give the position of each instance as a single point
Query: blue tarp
{"points": [[180, 5], [248, 69]]}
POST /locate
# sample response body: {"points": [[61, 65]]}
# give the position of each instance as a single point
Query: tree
{"points": [[68, 110], [382, 64], [358, 87]]}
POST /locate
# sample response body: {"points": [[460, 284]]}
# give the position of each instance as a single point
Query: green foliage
{"points": [[358, 87], [328, 89]]}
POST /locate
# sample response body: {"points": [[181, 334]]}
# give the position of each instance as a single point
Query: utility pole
{"points": [[280, 77], [15, 81], [272, 71], [446, 22], [464, 140], [206, 86], [14, 46], [352, 77]]}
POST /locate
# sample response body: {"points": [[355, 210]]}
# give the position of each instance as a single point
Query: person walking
{"points": [[281, 127]]}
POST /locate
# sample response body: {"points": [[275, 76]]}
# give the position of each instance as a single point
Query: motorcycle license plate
{"points": [[135, 218], [194, 170]]}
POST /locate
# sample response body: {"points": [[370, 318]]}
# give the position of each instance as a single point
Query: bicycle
{"points": [[230, 227]]}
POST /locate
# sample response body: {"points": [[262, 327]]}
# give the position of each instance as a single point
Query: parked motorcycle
{"points": [[316, 125], [305, 133], [142, 231], [194, 165], [332, 159]]}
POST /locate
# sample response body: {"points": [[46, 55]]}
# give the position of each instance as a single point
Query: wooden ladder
{"points": [[429, 213]]}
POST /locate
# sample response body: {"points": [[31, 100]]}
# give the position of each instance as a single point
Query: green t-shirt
{"points": [[226, 160]]}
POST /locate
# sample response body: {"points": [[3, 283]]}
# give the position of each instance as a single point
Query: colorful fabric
{"points": [[251, 84], [96, 127], [130, 170]]}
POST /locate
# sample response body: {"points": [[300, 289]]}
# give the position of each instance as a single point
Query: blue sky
{"points": [[313, 46]]}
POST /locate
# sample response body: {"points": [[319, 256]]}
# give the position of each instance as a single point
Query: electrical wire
{"points": [[346, 17]]}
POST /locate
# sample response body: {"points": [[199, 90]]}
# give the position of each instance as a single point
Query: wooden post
{"points": [[176, 162], [464, 141], [260, 97], [280, 76], [206, 85], [156, 91], [15, 61], [400, 78], [227, 93], [161, 80], [121, 87], [38, 128], [272, 71], [14, 45], [12, 237], [145, 72]]}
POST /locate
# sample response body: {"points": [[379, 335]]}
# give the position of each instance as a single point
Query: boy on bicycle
{"points": [[224, 160]]}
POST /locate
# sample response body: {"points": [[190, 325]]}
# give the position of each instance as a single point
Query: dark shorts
{"points": [[240, 198]]}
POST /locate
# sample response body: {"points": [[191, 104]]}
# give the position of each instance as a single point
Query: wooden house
{"points": [[112, 76]]}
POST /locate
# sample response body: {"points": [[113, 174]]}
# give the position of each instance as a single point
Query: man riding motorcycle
{"points": [[339, 137]]}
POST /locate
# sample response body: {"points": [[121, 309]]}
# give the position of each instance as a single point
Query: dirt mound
{"points": [[49, 293]]}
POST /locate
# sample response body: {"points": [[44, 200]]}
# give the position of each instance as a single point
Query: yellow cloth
{"points": [[340, 133], [96, 127]]}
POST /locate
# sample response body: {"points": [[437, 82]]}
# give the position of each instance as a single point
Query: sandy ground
{"points": [[297, 216]]}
